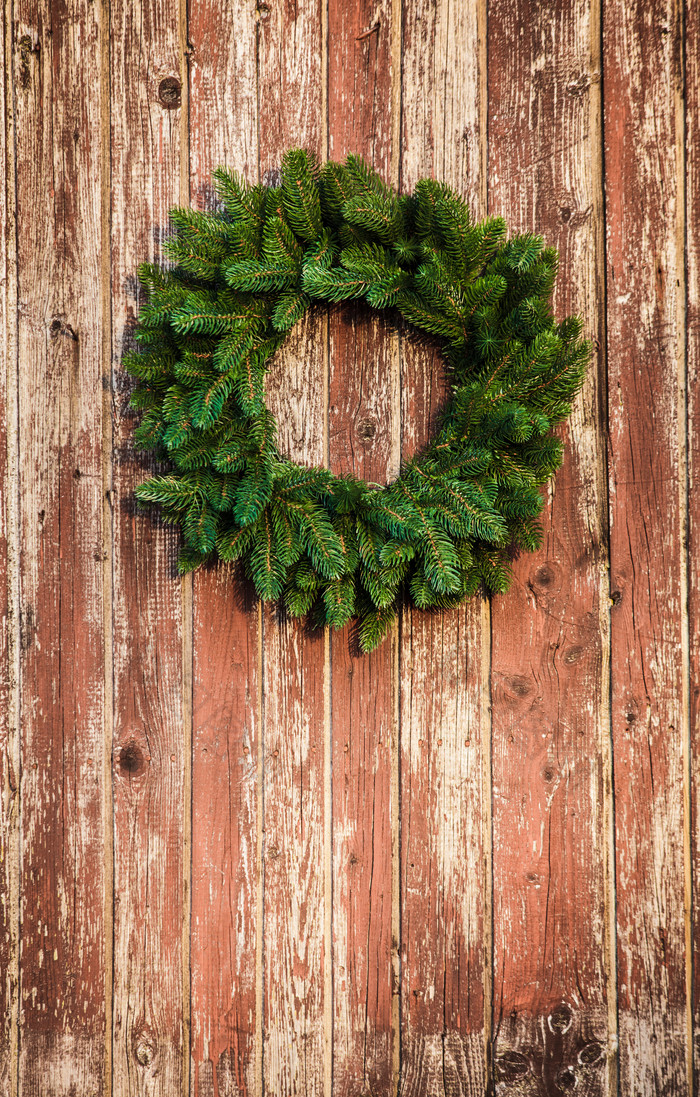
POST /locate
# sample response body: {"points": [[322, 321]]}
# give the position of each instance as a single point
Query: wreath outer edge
{"points": [[333, 546]]}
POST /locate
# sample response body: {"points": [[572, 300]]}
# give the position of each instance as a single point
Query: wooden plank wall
{"points": [[240, 859]]}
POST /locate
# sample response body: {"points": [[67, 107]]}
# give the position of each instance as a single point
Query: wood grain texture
{"points": [[296, 1047], [307, 975], [645, 302], [225, 867], [295, 742], [443, 879], [9, 593], [551, 768], [58, 149], [148, 755], [692, 384], [363, 431], [442, 917], [226, 875]]}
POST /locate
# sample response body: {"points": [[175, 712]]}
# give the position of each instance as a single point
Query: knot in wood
{"points": [[591, 1053], [573, 654], [145, 1048], [512, 1065], [545, 576], [565, 1079], [131, 758], [170, 92], [366, 429], [560, 1019]]}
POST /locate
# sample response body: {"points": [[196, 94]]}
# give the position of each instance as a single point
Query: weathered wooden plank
{"points": [[149, 737], [9, 600], [57, 105], [363, 437], [692, 386], [443, 724], [226, 877], [551, 766], [442, 915], [225, 873], [643, 118], [296, 1051]]}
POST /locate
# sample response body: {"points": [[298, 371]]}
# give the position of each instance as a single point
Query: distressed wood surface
{"points": [[692, 209], [226, 874], [226, 731], [57, 119], [363, 431], [9, 607], [296, 781], [550, 769], [149, 737], [443, 717], [468, 863], [645, 316]]}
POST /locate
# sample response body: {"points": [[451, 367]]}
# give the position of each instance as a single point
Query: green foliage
{"points": [[334, 546]]}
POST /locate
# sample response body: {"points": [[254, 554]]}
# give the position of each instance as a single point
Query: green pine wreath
{"points": [[335, 545]]}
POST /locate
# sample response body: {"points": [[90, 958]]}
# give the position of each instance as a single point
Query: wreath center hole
{"points": [[384, 395]]}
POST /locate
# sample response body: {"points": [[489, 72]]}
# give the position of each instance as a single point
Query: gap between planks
{"points": [[597, 92], [328, 988], [11, 795], [681, 228], [107, 531], [395, 636], [485, 700], [187, 628]]}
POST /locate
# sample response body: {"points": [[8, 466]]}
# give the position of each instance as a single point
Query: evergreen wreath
{"points": [[335, 545]]}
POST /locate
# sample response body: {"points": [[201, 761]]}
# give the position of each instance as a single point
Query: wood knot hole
{"points": [[144, 1048], [560, 1019], [511, 1065], [590, 1054], [544, 576], [131, 758], [565, 1079], [366, 429], [170, 92]]}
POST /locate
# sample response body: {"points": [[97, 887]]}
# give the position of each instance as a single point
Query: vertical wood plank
{"points": [[226, 728], [442, 912], [363, 432], [645, 318], [551, 766], [443, 723], [692, 383], [225, 855], [9, 623], [149, 738], [58, 168], [292, 104]]}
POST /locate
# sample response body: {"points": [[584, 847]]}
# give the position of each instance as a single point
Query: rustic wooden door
{"points": [[241, 859]]}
